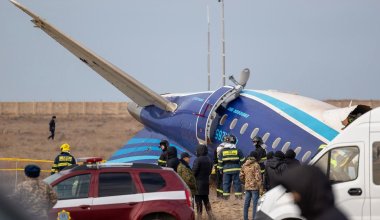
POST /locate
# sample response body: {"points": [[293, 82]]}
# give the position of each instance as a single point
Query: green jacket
{"points": [[185, 172]]}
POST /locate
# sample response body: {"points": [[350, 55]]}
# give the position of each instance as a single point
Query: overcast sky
{"points": [[321, 49]]}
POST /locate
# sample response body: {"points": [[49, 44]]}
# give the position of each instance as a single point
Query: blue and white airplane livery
{"points": [[283, 120]]}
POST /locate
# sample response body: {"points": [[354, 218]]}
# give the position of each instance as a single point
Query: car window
{"points": [[376, 163], [152, 182], [114, 184], [340, 164], [74, 187]]}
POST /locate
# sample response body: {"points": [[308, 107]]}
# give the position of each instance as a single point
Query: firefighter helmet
{"points": [[257, 140], [65, 147], [230, 139], [164, 143]]}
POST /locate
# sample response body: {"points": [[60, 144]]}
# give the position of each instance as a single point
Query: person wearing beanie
{"points": [[64, 159], [185, 172], [312, 193], [290, 158], [35, 196], [250, 176], [274, 168]]}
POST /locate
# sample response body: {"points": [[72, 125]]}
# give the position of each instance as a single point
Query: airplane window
{"points": [[243, 128], [265, 137], [376, 163], [298, 150], [276, 142], [223, 119], [254, 132], [285, 147], [233, 123], [306, 156]]}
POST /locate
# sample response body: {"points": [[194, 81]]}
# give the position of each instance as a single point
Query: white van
{"points": [[352, 162]]}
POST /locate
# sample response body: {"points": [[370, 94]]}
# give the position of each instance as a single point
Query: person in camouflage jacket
{"points": [[185, 172], [35, 196], [250, 175]]}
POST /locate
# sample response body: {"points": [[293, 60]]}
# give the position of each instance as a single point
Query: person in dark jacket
{"points": [[202, 168], [173, 160], [274, 168], [261, 152], [265, 181], [52, 127], [164, 144], [290, 158], [312, 193]]}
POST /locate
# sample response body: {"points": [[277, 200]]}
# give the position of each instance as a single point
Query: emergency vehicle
{"points": [[135, 191], [352, 163]]}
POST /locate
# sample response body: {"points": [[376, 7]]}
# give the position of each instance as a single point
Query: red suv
{"points": [[120, 191]]}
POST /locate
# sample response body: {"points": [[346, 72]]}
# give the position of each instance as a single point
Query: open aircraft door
{"points": [[207, 117]]}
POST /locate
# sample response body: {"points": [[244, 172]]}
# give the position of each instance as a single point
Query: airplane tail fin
{"points": [[136, 91]]}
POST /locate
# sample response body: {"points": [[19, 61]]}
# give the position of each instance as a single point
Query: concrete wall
{"points": [[106, 108], [63, 108]]}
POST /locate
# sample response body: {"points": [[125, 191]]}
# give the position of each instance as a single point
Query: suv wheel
{"points": [[158, 216]]}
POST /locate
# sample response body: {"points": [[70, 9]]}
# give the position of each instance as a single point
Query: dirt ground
{"points": [[26, 137]]}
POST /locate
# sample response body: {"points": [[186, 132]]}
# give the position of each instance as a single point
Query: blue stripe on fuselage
{"points": [[304, 118]]}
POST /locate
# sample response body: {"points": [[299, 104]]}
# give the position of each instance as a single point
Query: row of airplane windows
{"points": [[275, 143]]}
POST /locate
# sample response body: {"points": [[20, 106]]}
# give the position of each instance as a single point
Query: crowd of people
{"points": [[256, 172]]}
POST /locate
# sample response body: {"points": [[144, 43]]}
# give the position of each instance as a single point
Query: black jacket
{"points": [[292, 162], [290, 158], [163, 158], [274, 168], [52, 125], [173, 160], [317, 199], [202, 167]]}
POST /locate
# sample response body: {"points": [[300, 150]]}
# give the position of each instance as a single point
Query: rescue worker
{"points": [[218, 169], [34, 195], [164, 144], [202, 169], [230, 160], [52, 127], [312, 193], [185, 172], [64, 159], [261, 153]]}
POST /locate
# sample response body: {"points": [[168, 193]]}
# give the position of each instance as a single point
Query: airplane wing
{"points": [[139, 93]]}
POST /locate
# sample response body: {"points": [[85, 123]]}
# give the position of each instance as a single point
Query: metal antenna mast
{"points": [[223, 48], [209, 50]]}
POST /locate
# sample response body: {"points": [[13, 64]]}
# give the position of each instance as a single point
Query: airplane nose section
{"points": [[134, 110]]}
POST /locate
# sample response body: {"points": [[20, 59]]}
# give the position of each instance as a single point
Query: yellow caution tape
{"points": [[25, 160], [21, 169]]}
